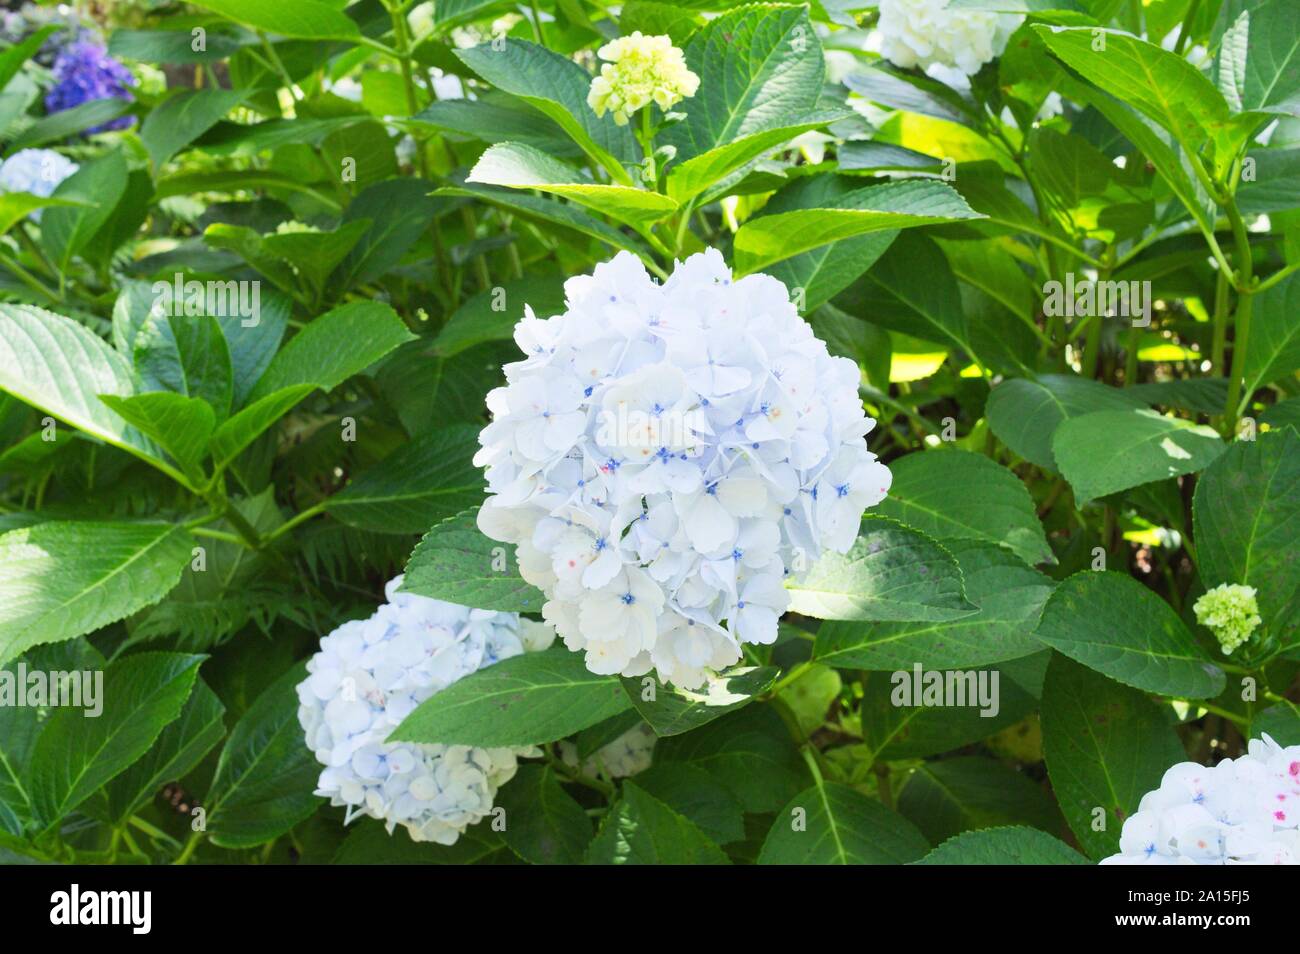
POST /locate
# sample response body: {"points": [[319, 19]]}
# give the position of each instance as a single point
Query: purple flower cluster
{"points": [[83, 71]]}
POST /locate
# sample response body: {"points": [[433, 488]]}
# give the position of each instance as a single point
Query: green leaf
{"points": [[265, 776], [20, 727], [75, 755], [497, 117], [524, 700], [1199, 395], [253, 340], [1276, 183], [230, 439], [749, 752], [1011, 845], [658, 19], [1259, 62], [238, 180], [330, 349], [824, 272], [694, 793], [165, 45], [181, 425], [297, 19], [399, 211], [13, 58], [180, 747], [910, 93], [544, 825], [1171, 161], [833, 824], [672, 711], [1112, 623], [455, 562], [1281, 722], [947, 797], [180, 120], [515, 165], [1106, 746], [1246, 515], [760, 68], [95, 188], [492, 314], [892, 572], [369, 844], [69, 122], [641, 830], [187, 355], [1010, 597], [550, 211], [994, 505], [16, 206], [59, 366], [1141, 446], [767, 239], [314, 255], [429, 479], [1025, 413], [556, 87], [1161, 85], [689, 179], [931, 310], [1274, 336], [918, 712], [60, 580]]}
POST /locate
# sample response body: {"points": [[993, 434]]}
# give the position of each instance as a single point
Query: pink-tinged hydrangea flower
{"points": [[370, 675], [1240, 812], [666, 456]]}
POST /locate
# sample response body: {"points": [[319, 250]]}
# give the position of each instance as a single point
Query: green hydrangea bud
{"points": [[641, 70], [1230, 612]]}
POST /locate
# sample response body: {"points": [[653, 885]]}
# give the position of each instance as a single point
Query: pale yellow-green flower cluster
{"points": [[1230, 612], [641, 70]]}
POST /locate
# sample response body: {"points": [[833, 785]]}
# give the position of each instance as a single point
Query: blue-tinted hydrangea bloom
{"points": [[371, 674], [84, 72], [38, 171]]}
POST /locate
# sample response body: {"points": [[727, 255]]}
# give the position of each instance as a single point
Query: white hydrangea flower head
{"points": [[370, 675], [1240, 812], [923, 33], [1230, 611], [640, 70], [629, 754], [666, 456], [38, 171]]}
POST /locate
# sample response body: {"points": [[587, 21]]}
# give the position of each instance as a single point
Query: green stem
{"points": [[1241, 336], [190, 847], [30, 280], [294, 521], [278, 65], [1131, 357], [1220, 322], [1277, 277], [403, 40]]}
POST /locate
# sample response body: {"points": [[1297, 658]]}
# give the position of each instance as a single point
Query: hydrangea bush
{"points": [[573, 432]]}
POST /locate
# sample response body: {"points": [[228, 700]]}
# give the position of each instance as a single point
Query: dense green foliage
{"points": [[189, 501]]}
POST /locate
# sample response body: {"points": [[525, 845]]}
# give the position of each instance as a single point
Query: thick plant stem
{"points": [[1217, 350]]}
